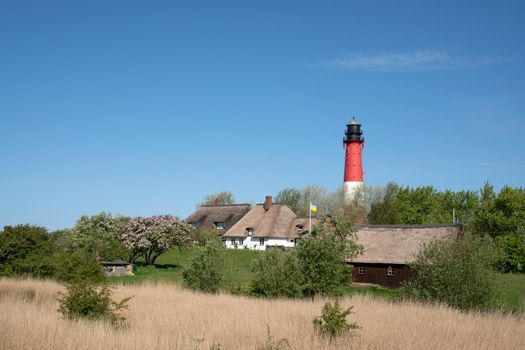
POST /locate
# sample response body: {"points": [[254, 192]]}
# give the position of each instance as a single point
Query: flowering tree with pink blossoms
{"points": [[154, 235]]}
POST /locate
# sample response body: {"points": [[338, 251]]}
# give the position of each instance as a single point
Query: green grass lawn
{"points": [[512, 288], [169, 266]]}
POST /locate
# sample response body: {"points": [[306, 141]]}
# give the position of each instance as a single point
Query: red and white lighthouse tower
{"points": [[353, 144]]}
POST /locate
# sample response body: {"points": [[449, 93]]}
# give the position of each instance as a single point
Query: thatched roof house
{"points": [[268, 225], [388, 249], [218, 218]]}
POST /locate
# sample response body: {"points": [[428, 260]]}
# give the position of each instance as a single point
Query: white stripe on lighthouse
{"points": [[351, 187]]}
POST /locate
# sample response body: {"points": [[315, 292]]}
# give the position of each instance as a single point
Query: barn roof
{"points": [[399, 244], [205, 216], [278, 221]]}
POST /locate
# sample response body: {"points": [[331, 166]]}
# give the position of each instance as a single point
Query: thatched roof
{"points": [[399, 244], [303, 222], [207, 215], [278, 221]]}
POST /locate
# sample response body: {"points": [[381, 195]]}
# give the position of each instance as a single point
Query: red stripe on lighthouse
{"points": [[353, 162]]}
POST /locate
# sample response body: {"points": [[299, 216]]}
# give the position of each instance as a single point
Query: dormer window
{"points": [[299, 228], [219, 225], [249, 231], [195, 225]]}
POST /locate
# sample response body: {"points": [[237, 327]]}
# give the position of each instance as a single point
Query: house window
{"points": [[261, 241], [390, 271], [299, 228], [249, 231], [219, 225], [240, 241], [232, 241], [361, 270], [195, 225]]}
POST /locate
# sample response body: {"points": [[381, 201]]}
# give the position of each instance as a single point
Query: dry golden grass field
{"points": [[165, 316]]}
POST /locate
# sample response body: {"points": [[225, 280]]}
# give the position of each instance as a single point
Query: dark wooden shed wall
{"points": [[378, 274]]}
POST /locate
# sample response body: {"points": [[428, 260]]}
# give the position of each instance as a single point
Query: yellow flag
{"points": [[313, 207]]}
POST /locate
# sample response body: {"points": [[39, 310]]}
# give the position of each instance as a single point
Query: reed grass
{"points": [[165, 316]]}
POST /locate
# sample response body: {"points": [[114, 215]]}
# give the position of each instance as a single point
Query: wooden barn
{"points": [[388, 249]]}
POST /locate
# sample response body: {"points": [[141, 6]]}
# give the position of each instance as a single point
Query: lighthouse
{"points": [[353, 143]]}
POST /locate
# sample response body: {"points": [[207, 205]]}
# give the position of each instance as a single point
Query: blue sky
{"points": [[144, 107]]}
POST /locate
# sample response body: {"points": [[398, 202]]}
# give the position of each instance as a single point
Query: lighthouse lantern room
{"points": [[353, 143]]}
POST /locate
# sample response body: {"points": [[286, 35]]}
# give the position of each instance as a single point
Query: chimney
{"points": [[217, 201], [267, 203]]}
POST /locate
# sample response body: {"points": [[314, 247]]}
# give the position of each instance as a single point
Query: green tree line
{"points": [[499, 216]]}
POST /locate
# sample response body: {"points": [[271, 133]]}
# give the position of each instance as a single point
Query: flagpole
{"points": [[310, 207]]}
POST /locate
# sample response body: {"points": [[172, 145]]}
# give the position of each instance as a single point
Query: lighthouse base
{"points": [[352, 188]]}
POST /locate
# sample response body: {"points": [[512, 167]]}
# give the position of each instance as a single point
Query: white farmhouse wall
{"points": [[253, 243]]}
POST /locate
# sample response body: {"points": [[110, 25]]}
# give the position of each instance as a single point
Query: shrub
{"points": [[332, 323], [511, 253], [206, 270], [458, 273], [26, 250], [205, 237], [80, 266], [323, 262], [316, 266], [91, 301], [277, 273]]}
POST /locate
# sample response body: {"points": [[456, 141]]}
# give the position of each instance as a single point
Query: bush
{"points": [[316, 266], [26, 250], [204, 238], [206, 270], [323, 262], [458, 273], [511, 253], [277, 273], [80, 266], [91, 301], [332, 323]]}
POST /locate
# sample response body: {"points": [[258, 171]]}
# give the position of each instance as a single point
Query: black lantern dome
{"points": [[353, 132]]}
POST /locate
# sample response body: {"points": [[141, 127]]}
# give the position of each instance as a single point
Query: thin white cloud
{"points": [[414, 61]]}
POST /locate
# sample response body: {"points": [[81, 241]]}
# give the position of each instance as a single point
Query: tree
{"points": [[152, 236], [323, 257], [458, 273], [384, 211], [207, 269], [26, 250], [337, 205], [99, 235], [292, 198], [278, 273], [511, 253], [225, 197], [500, 214], [299, 199]]}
